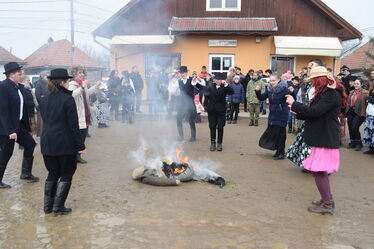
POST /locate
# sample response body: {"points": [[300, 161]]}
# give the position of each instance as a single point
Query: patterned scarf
{"points": [[86, 107]]}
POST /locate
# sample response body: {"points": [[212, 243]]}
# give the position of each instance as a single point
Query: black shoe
{"points": [[264, 112], [192, 139], [80, 159], [369, 152], [229, 121], [279, 157], [276, 154], [4, 185], [62, 192], [256, 123], [219, 147], [27, 164], [49, 196], [305, 171], [212, 146], [352, 145], [250, 123], [234, 122]]}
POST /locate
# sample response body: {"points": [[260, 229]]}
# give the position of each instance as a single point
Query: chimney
{"points": [[50, 40]]}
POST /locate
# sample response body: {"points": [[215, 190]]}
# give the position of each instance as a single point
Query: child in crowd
{"points": [[235, 99]]}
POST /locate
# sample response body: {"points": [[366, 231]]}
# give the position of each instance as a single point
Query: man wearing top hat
{"points": [[346, 78], [14, 124], [186, 108]]}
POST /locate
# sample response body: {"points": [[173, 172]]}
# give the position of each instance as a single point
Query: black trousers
{"points": [[354, 123], [84, 134], [127, 111], [7, 145], [234, 111], [138, 95], [60, 167], [217, 121], [187, 112]]}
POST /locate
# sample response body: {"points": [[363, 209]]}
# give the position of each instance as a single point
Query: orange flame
{"points": [[179, 170], [180, 157]]}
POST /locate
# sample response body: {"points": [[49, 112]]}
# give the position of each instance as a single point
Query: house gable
{"points": [[294, 17]]}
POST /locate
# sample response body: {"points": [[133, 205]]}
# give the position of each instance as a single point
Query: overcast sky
{"points": [[25, 25]]}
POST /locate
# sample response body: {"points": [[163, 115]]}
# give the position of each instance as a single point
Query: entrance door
{"points": [[282, 64], [165, 63]]}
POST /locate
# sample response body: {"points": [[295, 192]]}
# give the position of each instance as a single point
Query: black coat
{"points": [[215, 98], [137, 80], [321, 119], [29, 101], [61, 135], [41, 90], [10, 108], [187, 93]]}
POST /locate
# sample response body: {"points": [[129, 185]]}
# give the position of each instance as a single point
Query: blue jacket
{"points": [[238, 95], [279, 109]]}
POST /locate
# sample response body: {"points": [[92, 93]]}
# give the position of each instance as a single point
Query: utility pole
{"points": [[72, 32]]}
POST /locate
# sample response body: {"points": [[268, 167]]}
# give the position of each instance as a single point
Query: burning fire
{"points": [[181, 158]]}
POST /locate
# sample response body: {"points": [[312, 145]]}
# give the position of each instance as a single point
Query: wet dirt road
{"points": [[263, 205]]}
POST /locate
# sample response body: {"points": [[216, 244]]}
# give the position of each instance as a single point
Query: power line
{"points": [[82, 14], [49, 29], [95, 7], [33, 11], [48, 1]]}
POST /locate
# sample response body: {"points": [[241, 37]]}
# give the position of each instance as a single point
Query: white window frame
{"points": [[232, 56], [223, 6]]}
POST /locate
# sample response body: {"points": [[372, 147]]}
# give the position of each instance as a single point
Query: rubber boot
{"points": [[80, 159], [359, 145], [62, 193], [326, 207], [2, 171], [256, 123], [49, 196], [220, 140], [212, 145], [27, 163]]}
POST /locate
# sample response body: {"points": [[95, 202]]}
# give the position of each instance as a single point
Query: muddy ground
{"points": [[263, 205]]}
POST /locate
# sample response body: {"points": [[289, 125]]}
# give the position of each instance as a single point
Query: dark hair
{"points": [[112, 74], [203, 67], [260, 71], [317, 61], [329, 69], [268, 71], [54, 84]]}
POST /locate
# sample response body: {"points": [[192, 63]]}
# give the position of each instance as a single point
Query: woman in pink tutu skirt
{"points": [[322, 133]]}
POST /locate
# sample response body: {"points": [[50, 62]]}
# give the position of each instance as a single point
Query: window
{"points": [[220, 63], [223, 5], [282, 64]]}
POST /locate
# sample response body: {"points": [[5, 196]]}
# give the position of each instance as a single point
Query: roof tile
{"points": [[6, 56], [358, 58]]}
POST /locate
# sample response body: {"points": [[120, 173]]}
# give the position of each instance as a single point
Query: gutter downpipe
{"points": [[108, 48]]}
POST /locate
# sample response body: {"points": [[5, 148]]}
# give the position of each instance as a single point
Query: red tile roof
{"points": [[223, 24], [6, 56], [58, 53], [358, 58]]}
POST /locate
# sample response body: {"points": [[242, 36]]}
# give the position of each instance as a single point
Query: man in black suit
{"points": [[185, 103], [14, 124]]}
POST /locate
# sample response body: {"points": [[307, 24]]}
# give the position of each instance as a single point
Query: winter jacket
{"points": [[128, 95], [360, 106], [114, 90], [78, 97], [61, 135], [321, 119], [238, 93], [10, 108], [251, 94], [187, 93], [279, 110]]}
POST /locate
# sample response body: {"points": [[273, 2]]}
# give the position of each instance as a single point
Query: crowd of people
{"points": [[61, 107]]}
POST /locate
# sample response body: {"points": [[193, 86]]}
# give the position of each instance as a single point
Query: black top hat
{"points": [[59, 73], [220, 76], [183, 69], [344, 67], [12, 67]]}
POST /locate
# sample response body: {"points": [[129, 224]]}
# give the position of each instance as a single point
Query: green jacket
{"points": [[251, 94]]}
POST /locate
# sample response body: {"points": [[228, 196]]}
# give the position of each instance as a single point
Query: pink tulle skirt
{"points": [[323, 160]]}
